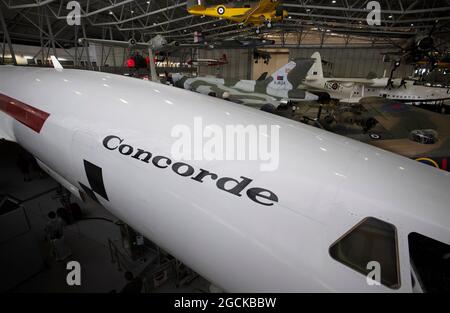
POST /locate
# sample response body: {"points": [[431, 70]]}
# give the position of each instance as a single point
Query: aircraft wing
{"points": [[400, 119], [132, 43], [263, 6], [360, 81], [116, 43], [266, 6]]}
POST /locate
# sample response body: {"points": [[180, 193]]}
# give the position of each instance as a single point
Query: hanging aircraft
{"points": [[265, 12], [352, 90], [157, 43], [331, 211], [420, 47], [264, 55], [235, 43], [209, 62], [278, 89], [240, 42]]}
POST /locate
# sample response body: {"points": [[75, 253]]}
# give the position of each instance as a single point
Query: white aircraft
{"points": [[337, 215], [351, 90]]}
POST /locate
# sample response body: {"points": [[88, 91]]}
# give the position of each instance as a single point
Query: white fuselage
{"points": [[325, 184], [349, 91]]}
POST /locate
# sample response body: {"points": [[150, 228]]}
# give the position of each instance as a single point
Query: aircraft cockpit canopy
{"points": [[424, 136]]}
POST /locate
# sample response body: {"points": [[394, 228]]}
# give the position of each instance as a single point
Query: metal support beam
{"points": [[8, 39], [50, 32], [153, 74], [86, 46]]}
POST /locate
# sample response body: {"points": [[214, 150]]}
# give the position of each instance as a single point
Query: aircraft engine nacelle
{"points": [[269, 108], [132, 42], [425, 44], [158, 42]]}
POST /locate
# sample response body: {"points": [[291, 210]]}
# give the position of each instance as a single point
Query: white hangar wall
{"points": [[239, 63], [344, 62]]}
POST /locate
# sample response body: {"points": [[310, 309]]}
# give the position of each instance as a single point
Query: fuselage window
{"points": [[430, 261], [372, 240]]}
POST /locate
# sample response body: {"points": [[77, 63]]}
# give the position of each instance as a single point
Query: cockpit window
{"points": [[430, 260], [424, 136], [372, 240]]}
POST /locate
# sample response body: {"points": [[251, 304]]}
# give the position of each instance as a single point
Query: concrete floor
{"points": [[88, 239]]}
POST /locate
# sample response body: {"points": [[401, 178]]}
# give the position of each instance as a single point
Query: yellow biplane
{"points": [[264, 12]]}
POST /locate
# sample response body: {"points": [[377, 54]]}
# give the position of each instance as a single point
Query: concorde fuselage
{"points": [[275, 234]]}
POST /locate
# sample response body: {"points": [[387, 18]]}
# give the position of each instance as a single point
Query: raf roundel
{"points": [[221, 10]]}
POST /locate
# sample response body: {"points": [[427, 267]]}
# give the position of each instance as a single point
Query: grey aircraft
{"points": [[276, 90]]}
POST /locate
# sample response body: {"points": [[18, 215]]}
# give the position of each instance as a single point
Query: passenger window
{"points": [[430, 260], [370, 240]]}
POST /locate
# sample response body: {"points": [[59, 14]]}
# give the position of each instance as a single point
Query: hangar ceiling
{"points": [[39, 21]]}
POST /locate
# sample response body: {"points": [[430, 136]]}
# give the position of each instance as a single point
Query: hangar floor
{"points": [[34, 270]]}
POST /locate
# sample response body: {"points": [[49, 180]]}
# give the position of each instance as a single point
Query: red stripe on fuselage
{"points": [[24, 113]]}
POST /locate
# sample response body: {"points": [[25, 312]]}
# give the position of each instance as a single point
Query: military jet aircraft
{"points": [[278, 89], [264, 12]]}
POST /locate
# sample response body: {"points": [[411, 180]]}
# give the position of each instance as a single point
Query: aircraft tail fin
{"points": [[291, 74], [196, 4], [316, 71], [56, 64], [262, 77]]}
